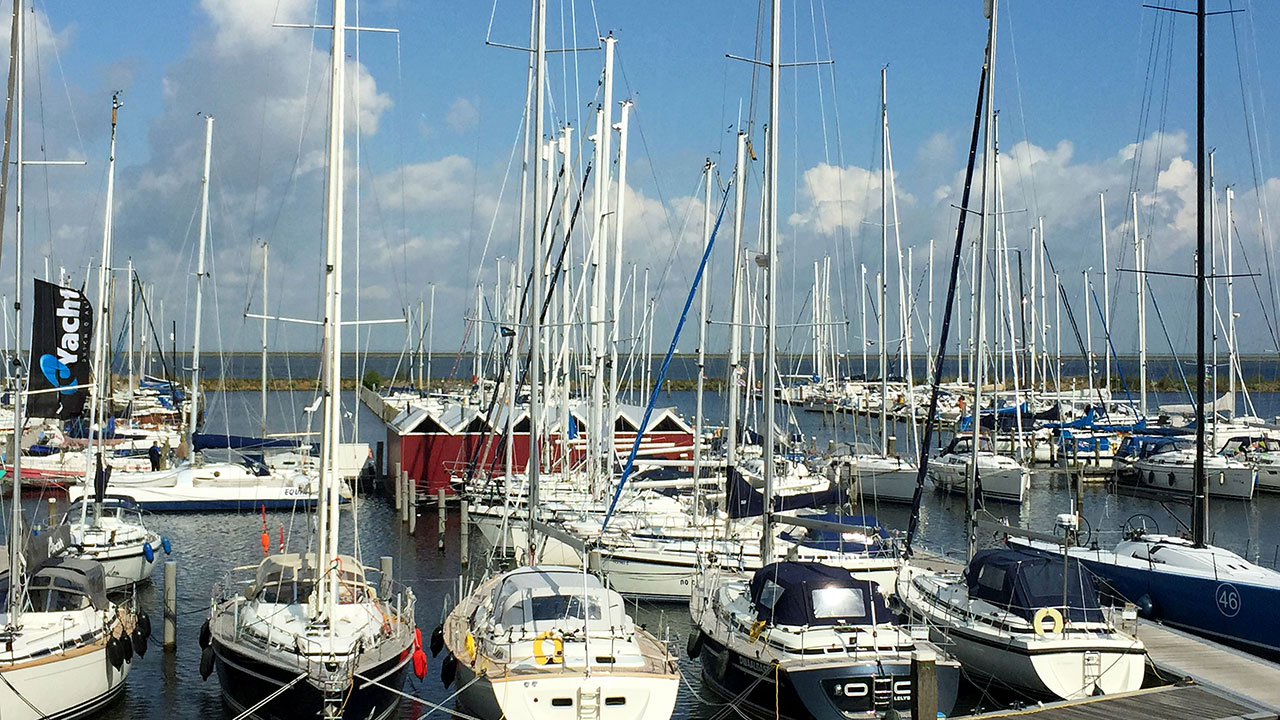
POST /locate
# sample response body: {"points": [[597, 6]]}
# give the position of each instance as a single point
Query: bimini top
{"points": [[64, 583], [1025, 581], [795, 593], [560, 598]]}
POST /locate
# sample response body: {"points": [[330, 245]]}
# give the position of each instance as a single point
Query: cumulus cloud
{"points": [[462, 115]]}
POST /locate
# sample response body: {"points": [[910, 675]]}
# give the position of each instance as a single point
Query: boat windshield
{"points": [[560, 607], [838, 602]]}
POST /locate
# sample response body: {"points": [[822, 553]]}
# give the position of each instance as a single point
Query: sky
{"points": [[1093, 97]]}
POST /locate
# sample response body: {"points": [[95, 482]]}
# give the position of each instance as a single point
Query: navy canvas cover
{"points": [[801, 593], [1024, 581]]}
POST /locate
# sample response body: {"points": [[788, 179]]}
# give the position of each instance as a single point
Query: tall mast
{"points": [[331, 370], [16, 570], [193, 411], [1200, 508], [101, 385], [735, 301], [1231, 310], [1140, 264], [882, 279], [702, 339], [129, 344], [1106, 289], [265, 250], [615, 316], [535, 295], [977, 316], [771, 300]]}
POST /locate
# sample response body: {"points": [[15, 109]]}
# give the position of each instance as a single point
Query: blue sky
{"points": [[439, 113]]}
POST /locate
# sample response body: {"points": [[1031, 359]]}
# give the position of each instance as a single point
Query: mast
{"points": [[265, 250], [702, 341], [882, 279], [1140, 264], [431, 326], [1231, 311], [130, 341], [771, 282], [735, 302], [977, 316], [193, 409], [1200, 508], [16, 571], [535, 315], [101, 385], [327, 512], [1106, 290], [615, 318]]}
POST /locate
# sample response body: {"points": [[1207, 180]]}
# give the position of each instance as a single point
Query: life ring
{"points": [[1037, 621], [557, 644]]}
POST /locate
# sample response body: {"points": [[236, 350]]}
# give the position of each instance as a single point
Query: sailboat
{"points": [[194, 485], [1016, 618], [114, 536], [309, 635], [542, 640], [1187, 582], [65, 643]]}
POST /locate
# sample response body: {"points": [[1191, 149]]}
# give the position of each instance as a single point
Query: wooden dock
{"points": [[1174, 702], [1178, 654]]}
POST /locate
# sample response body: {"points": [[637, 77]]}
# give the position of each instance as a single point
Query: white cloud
{"points": [[462, 115]]}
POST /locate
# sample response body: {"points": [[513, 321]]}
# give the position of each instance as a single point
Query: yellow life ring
{"points": [[1037, 621], [756, 629], [557, 644]]}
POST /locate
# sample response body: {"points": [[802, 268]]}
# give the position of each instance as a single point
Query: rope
{"points": [[268, 698], [416, 699]]}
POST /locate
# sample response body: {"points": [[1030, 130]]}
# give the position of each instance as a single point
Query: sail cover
{"points": [[61, 332]]}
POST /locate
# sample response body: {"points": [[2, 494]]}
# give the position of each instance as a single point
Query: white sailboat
{"points": [[64, 642], [309, 635], [118, 539], [546, 639], [1018, 618]]}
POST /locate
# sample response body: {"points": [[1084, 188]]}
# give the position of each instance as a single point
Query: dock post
{"points": [[440, 518], [924, 684], [464, 532], [407, 494], [385, 577], [399, 483], [377, 462], [892, 448], [53, 512], [170, 605]]}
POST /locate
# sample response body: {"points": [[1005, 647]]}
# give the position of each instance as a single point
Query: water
{"points": [[168, 685]]}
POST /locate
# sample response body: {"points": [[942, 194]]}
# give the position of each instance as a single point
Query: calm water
{"points": [[205, 546]]}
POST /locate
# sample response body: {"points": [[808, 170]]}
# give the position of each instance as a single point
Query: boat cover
{"points": [[802, 593], [1025, 581]]}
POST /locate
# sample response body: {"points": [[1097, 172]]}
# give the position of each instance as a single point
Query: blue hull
{"points": [[1237, 613]]}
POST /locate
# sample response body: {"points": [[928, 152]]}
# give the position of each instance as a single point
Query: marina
{"points": [[612, 388]]}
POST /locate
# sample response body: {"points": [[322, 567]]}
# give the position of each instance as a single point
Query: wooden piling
{"points": [[411, 504], [377, 462], [170, 604], [53, 512], [464, 532], [385, 577], [407, 496], [924, 684], [440, 518], [399, 483]]}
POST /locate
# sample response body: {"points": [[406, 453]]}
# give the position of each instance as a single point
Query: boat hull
{"points": [[824, 692], [246, 680], [619, 696], [77, 685]]}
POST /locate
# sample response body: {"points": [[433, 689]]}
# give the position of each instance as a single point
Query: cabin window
{"points": [[991, 578], [769, 594], [838, 602], [559, 607]]}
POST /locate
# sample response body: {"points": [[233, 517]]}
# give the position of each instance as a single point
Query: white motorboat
{"points": [[214, 486], [1001, 478]]}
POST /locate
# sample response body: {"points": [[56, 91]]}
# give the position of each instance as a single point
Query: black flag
{"points": [[61, 331]]}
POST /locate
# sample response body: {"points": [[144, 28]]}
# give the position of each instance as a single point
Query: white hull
{"points": [[617, 696], [1008, 484], [1226, 480], [73, 685]]}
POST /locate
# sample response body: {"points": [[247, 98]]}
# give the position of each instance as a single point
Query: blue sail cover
{"points": [[864, 535], [742, 500], [800, 594], [205, 441], [1025, 581]]}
